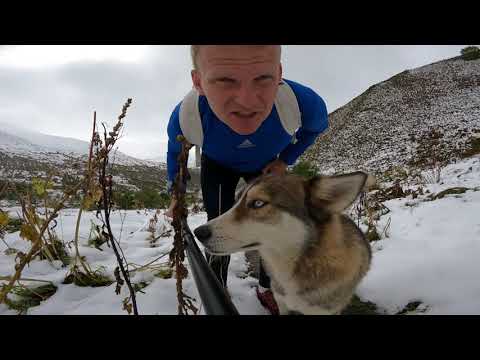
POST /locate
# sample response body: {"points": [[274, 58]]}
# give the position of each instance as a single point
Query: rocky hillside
{"points": [[16, 141], [384, 126], [25, 154]]}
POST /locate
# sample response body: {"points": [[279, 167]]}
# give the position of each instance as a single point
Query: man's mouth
{"points": [[244, 115]]}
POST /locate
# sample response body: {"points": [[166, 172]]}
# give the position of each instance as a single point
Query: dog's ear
{"points": [[336, 193], [239, 192]]}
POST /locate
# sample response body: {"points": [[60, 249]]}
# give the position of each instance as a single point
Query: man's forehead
{"points": [[238, 54], [238, 49]]}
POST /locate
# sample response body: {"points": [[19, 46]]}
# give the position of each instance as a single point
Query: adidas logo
{"points": [[246, 144]]}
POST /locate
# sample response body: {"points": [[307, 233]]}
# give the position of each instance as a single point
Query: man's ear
{"points": [[197, 83], [336, 193]]}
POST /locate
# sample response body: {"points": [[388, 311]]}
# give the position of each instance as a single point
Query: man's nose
{"points": [[247, 97]]}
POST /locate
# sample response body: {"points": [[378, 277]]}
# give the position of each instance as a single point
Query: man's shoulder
{"points": [[301, 90], [307, 97], [202, 106]]}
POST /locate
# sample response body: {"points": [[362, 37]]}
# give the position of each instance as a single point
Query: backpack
{"points": [[191, 123]]}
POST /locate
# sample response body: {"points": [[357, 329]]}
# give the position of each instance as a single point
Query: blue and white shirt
{"points": [[251, 153]]}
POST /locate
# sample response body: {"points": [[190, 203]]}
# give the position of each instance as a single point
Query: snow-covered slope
{"points": [[26, 154], [43, 142], [428, 255], [428, 246], [34, 145], [430, 251], [14, 143], [381, 127]]}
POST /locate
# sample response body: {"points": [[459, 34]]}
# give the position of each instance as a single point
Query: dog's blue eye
{"points": [[257, 204]]}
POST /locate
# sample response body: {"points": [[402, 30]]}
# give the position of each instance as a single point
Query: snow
{"points": [[428, 251], [19, 141], [372, 131], [430, 255], [160, 295], [432, 252]]}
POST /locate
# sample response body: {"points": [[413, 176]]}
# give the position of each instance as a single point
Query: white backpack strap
{"points": [[287, 108], [285, 102], [190, 121]]}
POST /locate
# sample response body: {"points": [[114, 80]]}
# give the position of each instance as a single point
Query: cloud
{"points": [[52, 55], [60, 99], [340, 73]]}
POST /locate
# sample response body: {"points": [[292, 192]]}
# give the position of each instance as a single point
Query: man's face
{"points": [[240, 83]]}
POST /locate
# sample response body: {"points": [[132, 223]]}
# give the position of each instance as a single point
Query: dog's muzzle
{"points": [[203, 233]]}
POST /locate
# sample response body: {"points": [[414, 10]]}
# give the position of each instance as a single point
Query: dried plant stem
{"points": [[45, 204], [140, 267], [106, 210], [6, 244], [180, 212], [25, 279], [4, 188], [106, 186], [75, 242], [88, 178], [122, 221], [36, 245]]}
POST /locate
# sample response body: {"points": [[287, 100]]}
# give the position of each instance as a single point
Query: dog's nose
{"points": [[202, 233]]}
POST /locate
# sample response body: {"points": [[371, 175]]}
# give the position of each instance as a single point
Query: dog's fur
{"points": [[315, 255]]}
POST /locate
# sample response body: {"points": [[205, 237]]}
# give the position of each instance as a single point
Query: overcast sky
{"points": [[55, 89]]}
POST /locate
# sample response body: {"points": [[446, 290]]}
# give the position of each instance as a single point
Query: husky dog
{"points": [[315, 255]]}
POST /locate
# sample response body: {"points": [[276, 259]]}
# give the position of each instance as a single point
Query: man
{"points": [[247, 128]]}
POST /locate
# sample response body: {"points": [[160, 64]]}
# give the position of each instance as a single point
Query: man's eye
{"points": [[257, 204], [264, 78], [226, 80]]}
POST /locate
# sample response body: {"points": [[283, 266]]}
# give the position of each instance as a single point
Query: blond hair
{"points": [[193, 53], [194, 49]]}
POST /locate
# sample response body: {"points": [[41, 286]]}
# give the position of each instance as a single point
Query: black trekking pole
{"points": [[211, 291], [213, 296]]}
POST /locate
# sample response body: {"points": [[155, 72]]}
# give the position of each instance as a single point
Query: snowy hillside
{"points": [[26, 154], [422, 219], [427, 256], [13, 143], [54, 149], [47, 143], [159, 295], [430, 255], [381, 128]]}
